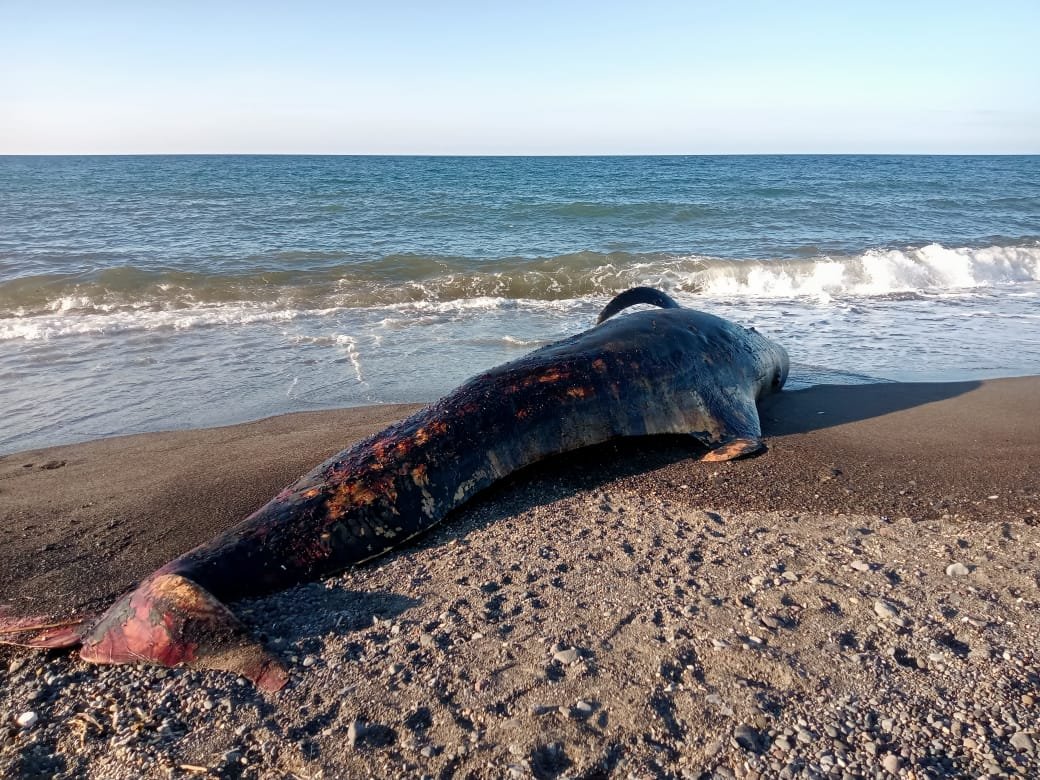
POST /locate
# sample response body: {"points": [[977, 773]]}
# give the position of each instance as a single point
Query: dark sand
{"points": [[80, 524], [119, 508]]}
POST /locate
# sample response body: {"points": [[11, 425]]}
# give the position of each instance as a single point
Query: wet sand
{"points": [[445, 659]]}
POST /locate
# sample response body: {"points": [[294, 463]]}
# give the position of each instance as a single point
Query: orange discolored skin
{"points": [[666, 371]]}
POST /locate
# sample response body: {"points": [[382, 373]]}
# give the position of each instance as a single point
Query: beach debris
{"points": [[957, 569]]}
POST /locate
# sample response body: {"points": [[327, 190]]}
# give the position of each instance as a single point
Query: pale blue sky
{"points": [[520, 78]]}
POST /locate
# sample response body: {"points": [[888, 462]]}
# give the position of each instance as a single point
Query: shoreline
{"points": [[711, 608]]}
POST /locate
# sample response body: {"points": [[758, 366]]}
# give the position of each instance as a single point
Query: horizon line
{"points": [[519, 154]]}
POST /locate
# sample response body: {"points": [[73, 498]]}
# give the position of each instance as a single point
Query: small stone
{"points": [[428, 751], [355, 732], [862, 566], [892, 763], [427, 640], [957, 569], [720, 644], [1023, 743], [27, 719], [770, 622], [804, 736], [567, 656], [719, 703], [582, 709], [1028, 699], [980, 653], [309, 660], [886, 610], [748, 738]]}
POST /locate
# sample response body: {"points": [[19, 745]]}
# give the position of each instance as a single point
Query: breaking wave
{"points": [[127, 298]]}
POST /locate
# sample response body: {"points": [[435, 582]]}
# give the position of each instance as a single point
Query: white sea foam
{"points": [[931, 269], [350, 345], [46, 327]]}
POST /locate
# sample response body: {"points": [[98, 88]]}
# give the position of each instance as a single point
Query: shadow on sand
{"points": [[824, 406]]}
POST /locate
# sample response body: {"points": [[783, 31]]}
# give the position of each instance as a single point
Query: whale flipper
{"points": [[737, 431], [733, 449]]}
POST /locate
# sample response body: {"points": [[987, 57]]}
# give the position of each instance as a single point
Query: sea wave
{"points": [[126, 298]]}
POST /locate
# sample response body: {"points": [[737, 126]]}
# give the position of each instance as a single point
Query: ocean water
{"points": [[153, 293]]}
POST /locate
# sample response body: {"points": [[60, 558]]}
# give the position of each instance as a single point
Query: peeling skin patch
{"points": [[552, 376], [428, 504], [465, 489]]}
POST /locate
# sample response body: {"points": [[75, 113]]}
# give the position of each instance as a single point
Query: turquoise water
{"points": [[147, 293]]}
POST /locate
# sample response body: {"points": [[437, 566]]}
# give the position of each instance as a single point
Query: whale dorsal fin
{"points": [[636, 296]]}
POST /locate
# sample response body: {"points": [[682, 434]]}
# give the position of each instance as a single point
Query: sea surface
{"points": [[153, 293]]}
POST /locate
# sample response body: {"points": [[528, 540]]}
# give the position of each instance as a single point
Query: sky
{"points": [[519, 77]]}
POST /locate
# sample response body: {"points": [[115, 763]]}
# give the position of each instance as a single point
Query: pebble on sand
{"points": [[957, 569], [567, 656], [885, 609], [27, 719], [355, 732], [748, 738], [1023, 742]]}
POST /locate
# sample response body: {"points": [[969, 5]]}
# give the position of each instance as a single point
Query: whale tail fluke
{"points": [[170, 620], [635, 296], [42, 631]]}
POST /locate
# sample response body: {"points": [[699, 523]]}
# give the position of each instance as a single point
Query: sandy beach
{"points": [[863, 600]]}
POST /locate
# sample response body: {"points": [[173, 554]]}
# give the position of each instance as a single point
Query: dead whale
{"points": [[669, 370]]}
